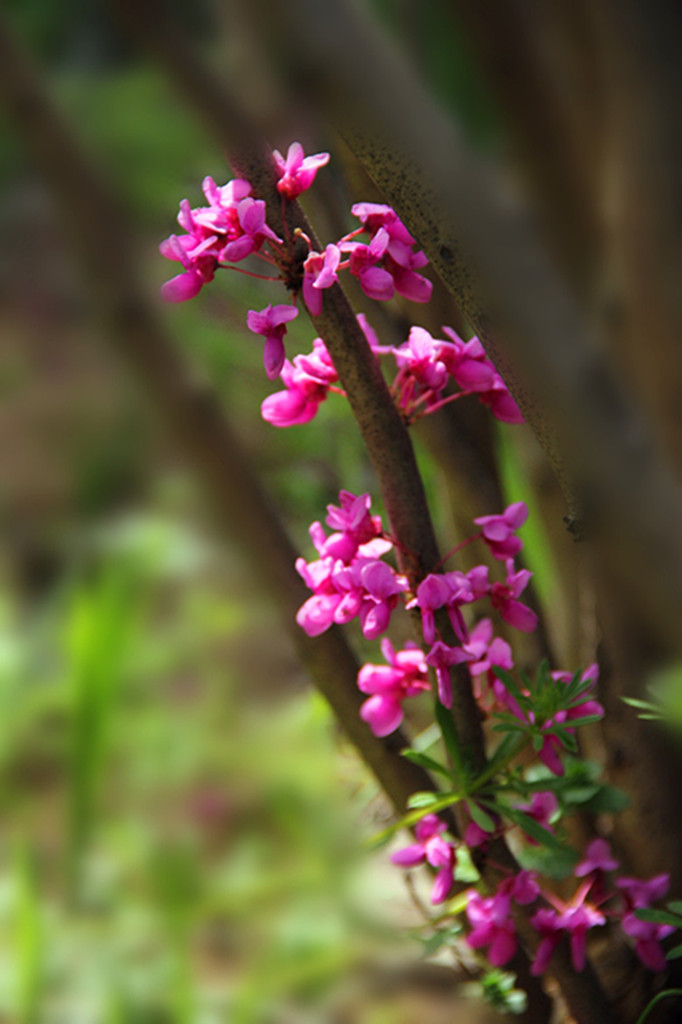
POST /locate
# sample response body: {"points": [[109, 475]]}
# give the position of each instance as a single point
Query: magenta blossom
{"points": [[307, 383], [207, 230], [319, 272], [484, 653], [504, 598], [375, 282], [433, 849], [297, 172], [270, 322], [647, 936], [374, 216], [405, 675], [491, 920], [419, 357], [598, 858], [575, 917], [499, 530], [254, 231], [442, 658]]}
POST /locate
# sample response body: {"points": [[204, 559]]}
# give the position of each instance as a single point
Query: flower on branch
{"points": [[405, 675], [297, 171], [431, 848], [271, 323]]}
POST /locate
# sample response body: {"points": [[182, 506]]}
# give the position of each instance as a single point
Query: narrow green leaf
{"points": [[532, 828], [408, 820], [585, 720], [450, 738], [674, 953], [660, 917], [510, 684], [478, 815], [424, 761]]}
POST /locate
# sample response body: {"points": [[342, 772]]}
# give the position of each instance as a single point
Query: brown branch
{"points": [[189, 406]]}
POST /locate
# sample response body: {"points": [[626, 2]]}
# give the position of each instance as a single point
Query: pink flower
{"points": [[199, 263], [270, 322], [307, 384], [503, 597], [433, 593], [254, 231], [375, 282], [431, 848], [484, 652], [492, 925], [473, 371], [319, 272], [419, 357], [501, 403], [648, 937], [498, 531], [575, 917], [298, 171], [382, 587], [467, 362], [404, 676], [598, 858], [441, 658], [374, 216]]}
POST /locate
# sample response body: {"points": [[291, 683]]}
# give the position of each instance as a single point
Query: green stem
{"points": [[657, 999]]}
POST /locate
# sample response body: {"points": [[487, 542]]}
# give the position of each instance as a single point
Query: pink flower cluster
{"points": [[427, 364], [491, 919], [230, 228], [577, 916], [349, 579], [388, 263]]}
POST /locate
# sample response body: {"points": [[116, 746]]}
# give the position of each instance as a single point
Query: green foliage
{"points": [[497, 988], [166, 828]]}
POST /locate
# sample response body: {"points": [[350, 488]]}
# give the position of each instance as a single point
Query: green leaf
{"points": [[450, 738], [536, 831], [424, 761], [609, 800], [575, 723], [550, 863], [510, 684], [660, 917], [408, 820], [466, 870], [674, 953], [478, 815], [644, 704], [423, 799], [675, 906]]}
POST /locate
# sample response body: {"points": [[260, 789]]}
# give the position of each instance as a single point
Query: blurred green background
{"points": [[181, 826]]}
